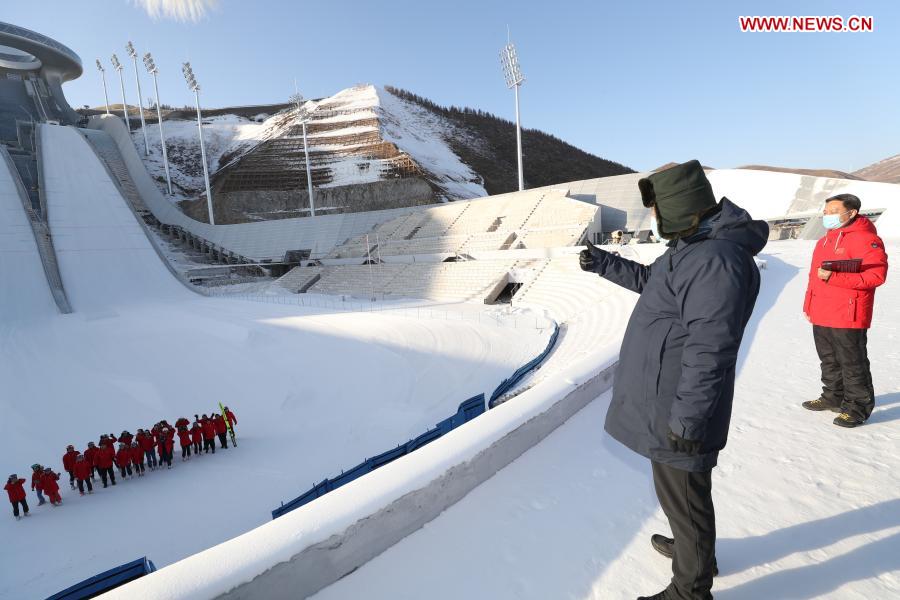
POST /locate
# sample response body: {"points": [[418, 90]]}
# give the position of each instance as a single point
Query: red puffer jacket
{"points": [[137, 454], [196, 434], [105, 457], [69, 460], [15, 490], [846, 299], [90, 455], [49, 482], [145, 441], [209, 430], [37, 480], [221, 426], [123, 457], [82, 469], [184, 437]]}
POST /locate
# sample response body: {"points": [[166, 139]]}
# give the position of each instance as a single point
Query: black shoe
{"points": [[666, 546], [662, 544], [820, 404], [847, 420]]}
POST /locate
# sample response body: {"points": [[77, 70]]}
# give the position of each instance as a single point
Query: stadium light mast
{"points": [[151, 68], [118, 67], [509, 60], [129, 47], [303, 118], [103, 77], [195, 87]]}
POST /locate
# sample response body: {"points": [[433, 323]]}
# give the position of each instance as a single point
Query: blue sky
{"points": [[641, 83]]}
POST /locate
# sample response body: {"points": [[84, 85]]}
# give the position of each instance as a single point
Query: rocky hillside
{"points": [[887, 170]]}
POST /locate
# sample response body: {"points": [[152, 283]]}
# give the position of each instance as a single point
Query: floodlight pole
{"points": [[133, 54], [195, 87], [103, 77], [151, 67], [118, 66], [514, 79], [304, 119]]}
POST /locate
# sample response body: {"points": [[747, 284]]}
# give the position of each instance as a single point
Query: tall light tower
{"points": [[151, 68], [103, 76], [303, 118], [118, 67], [514, 79], [129, 47], [195, 87]]}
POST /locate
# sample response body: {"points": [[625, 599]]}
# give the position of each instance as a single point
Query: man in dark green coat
{"points": [[675, 379]]}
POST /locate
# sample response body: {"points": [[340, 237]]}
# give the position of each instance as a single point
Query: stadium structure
{"points": [[84, 235]]}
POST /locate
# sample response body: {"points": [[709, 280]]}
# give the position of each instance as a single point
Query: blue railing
{"points": [[510, 382], [467, 411], [98, 584]]}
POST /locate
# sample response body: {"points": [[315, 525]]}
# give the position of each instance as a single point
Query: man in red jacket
{"points": [[69, 463], [51, 486], [16, 492], [197, 436], [123, 460], [839, 305], [83, 472], [103, 460], [137, 458], [209, 435], [221, 429], [90, 455]]}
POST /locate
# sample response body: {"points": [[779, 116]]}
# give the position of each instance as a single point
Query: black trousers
{"points": [[185, 451], [222, 440], [846, 377], [686, 499], [196, 447], [81, 483], [107, 473], [209, 444], [16, 504]]}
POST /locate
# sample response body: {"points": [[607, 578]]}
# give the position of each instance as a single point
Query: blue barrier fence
{"points": [[467, 411], [98, 584], [521, 372]]}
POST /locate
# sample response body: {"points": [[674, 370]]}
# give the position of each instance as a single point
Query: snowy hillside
{"points": [[338, 125], [887, 170]]}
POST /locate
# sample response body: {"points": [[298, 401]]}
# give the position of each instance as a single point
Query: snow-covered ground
{"points": [[315, 391], [414, 130], [805, 509]]}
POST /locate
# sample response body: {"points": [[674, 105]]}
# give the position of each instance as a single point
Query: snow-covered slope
{"points": [[887, 170], [340, 129], [805, 509]]}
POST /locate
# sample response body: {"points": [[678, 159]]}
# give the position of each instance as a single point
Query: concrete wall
{"points": [[247, 207]]}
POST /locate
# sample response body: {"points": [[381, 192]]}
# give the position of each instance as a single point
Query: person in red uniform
{"points": [[197, 436], [209, 435], [184, 440], [16, 492], [166, 446], [51, 486], [90, 455], [69, 463], [839, 305], [137, 458], [232, 420], [37, 482], [126, 438], [84, 471], [123, 460], [148, 445], [221, 429], [103, 460]]}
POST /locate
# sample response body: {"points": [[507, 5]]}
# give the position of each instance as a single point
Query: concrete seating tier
{"points": [[356, 280], [299, 279], [550, 238]]}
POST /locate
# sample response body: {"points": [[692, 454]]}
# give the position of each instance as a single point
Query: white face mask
{"points": [[833, 221]]}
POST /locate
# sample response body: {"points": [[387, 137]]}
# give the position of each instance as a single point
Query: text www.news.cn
{"points": [[834, 23]]}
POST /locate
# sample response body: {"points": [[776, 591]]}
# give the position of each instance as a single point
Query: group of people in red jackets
{"points": [[149, 448]]}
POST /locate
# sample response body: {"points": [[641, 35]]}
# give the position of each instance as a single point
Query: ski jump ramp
{"points": [[104, 255], [24, 294]]}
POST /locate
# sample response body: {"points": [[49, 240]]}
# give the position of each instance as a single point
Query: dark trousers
{"points": [[138, 467], [16, 504], [209, 444], [81, 483], [71, 478], [185, 451], [165, 457], [846, 378], [222, 440], [197, 447], [686, 499], [123, 470], [151, 457], [107, 472]]}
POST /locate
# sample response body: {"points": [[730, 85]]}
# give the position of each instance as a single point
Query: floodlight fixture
{"points": [[129, 47], [512, 72], [103, 77], [191, 80], [118, 67], [303, 118], [151, 68]]}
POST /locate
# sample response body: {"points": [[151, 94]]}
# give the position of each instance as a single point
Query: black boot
{"points": [[821, 404], [666, 546], [847, 420]]}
